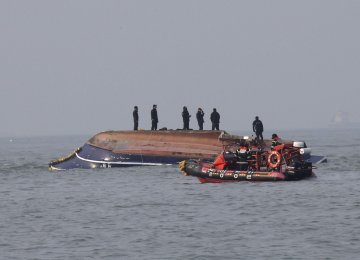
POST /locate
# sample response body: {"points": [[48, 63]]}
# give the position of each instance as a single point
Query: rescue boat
{"points": [[284, 162]]}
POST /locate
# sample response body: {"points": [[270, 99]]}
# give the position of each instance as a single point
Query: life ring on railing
{"points": [[274, 159]]}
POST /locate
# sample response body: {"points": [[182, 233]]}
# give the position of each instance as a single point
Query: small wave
{"points": [[340, 145], [9, 168]]}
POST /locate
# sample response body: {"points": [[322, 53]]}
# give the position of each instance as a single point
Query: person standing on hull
{"points": [[258, 128], [186, 118], [215, 119], [136, 118], [154, 118], [200, 118]]}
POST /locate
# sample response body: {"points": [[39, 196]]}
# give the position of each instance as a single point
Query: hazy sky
{"points": [[79, 66]]}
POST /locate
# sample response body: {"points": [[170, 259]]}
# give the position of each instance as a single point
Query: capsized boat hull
{"points": [[141, 148], [90, 157]]}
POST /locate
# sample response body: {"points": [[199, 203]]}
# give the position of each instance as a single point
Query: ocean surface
{"points": [[157, 213]]}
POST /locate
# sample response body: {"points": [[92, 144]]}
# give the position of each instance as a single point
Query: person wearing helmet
{"points": [[275, 140]]}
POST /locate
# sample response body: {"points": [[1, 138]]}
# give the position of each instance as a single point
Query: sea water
{"points": [[157, 213]]}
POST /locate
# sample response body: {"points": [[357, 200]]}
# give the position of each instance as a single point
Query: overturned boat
{"points": [[285, 162], [135, 148], [146, 148]]}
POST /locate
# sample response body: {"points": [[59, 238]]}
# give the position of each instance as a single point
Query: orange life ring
{"points": [[274, 159]]}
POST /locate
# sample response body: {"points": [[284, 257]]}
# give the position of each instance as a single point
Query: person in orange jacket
{"points": [[220, 162]]}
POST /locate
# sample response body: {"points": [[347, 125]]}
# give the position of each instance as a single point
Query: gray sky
{"points": [[79, 67]]}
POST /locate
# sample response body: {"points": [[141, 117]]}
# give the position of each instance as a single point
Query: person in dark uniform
{"points": [[258, 128], [154, 118], [136, 118], [186, 118], [200, 118], [215, 119], [275, 140]]}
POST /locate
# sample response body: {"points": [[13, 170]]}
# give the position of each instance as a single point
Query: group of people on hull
{"points": [[257, 125], [214, 117]]}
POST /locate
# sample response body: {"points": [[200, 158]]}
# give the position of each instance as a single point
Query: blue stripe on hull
{"points": [[93, 157]]}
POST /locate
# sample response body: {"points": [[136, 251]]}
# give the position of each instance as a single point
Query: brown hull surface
{"points": [[192, 144], [130, 148]]}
